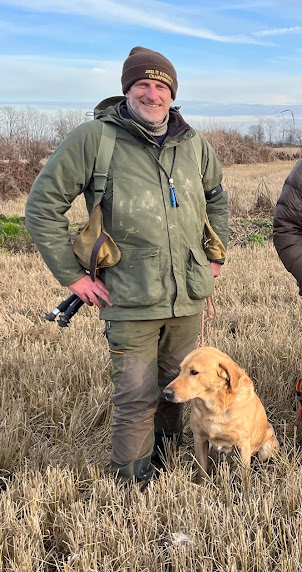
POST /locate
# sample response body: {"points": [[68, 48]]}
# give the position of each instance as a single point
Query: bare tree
{"points": [[9, 123], [298, 133], [35, 125], [271, 130], [66, 120], [256, 131], [287, 126]]}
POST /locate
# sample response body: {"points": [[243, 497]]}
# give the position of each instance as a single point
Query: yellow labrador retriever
{"points": [[225, 412]]}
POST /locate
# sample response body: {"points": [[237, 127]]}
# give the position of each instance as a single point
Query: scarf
{"points": [[154, 130]]}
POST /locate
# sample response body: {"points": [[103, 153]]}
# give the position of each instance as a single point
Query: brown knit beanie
{"points": [[147, 64]]}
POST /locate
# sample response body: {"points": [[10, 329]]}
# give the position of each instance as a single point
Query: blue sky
{"points": [[227, 52]]}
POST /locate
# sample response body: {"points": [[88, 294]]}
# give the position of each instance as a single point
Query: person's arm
{"points": [[216, 198], [66, 174], [287, 225]]}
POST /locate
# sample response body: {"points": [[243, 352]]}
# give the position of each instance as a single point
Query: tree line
{"points": [[281, 129], [31, 124]]}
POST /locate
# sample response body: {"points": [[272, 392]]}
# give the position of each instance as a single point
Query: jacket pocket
{"points": [[135, 280], [200, 277]]}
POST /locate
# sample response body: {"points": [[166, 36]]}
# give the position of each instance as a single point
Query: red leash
{"points": [[212, 313]]}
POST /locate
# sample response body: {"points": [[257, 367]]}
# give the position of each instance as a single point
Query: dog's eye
{"points": [[194, 372]]}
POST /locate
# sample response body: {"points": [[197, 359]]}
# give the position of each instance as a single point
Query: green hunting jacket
{"points": [[163, 271]]}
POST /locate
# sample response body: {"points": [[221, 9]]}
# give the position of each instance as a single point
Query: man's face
{"points": [[150, 99]]}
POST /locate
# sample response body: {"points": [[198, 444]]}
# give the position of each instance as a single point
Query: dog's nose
{"points": [[168, 393]]}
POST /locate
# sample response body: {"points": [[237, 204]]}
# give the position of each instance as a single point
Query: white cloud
{"points": [[250, 86], [247, 5], [279, 31], [155, 15], [32, 78]]}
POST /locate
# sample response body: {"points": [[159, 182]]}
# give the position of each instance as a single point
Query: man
{"points": [[287, 233], [154, 208]]}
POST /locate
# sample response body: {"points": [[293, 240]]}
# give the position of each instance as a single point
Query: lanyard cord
{"points": [[174, 199]]}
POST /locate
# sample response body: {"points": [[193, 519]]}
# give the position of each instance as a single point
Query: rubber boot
{"points": [[163, 448], [135, 472], [143, 472]]}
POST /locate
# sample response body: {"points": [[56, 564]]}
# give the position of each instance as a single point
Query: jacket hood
{"points": [[295, 176], [105, 103], [114, 109]]}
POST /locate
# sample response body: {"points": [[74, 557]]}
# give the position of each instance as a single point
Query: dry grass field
{"points": [[59, 508]]}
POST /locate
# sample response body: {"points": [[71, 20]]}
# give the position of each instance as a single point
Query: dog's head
{"points": [[204, 373]]}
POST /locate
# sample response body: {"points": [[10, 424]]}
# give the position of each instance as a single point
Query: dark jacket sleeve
{"points": [[287, 230]]}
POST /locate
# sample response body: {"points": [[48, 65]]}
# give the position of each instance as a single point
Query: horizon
{"points": [[242, 60], [201, 115]]}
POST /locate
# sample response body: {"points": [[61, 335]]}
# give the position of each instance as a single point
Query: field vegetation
{"points": [[60, 508]]}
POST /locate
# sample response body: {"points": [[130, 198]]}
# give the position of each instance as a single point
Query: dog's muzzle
{"points": [[168, 394]]}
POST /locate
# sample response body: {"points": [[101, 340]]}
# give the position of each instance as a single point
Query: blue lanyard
{"points": [[173, 196]]}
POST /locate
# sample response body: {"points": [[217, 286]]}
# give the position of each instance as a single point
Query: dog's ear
{"points": [[231, 372]]}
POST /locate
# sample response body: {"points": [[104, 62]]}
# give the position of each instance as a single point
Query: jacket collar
{"points": [[114, 109]]}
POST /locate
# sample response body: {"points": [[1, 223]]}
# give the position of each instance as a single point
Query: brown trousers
{"points": [[145, 357]]}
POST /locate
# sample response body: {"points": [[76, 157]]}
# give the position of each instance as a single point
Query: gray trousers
{"points": [[145, 358]]}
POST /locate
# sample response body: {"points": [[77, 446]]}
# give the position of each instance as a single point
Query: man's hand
{"points": [[216, 267], [88, 291]]}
